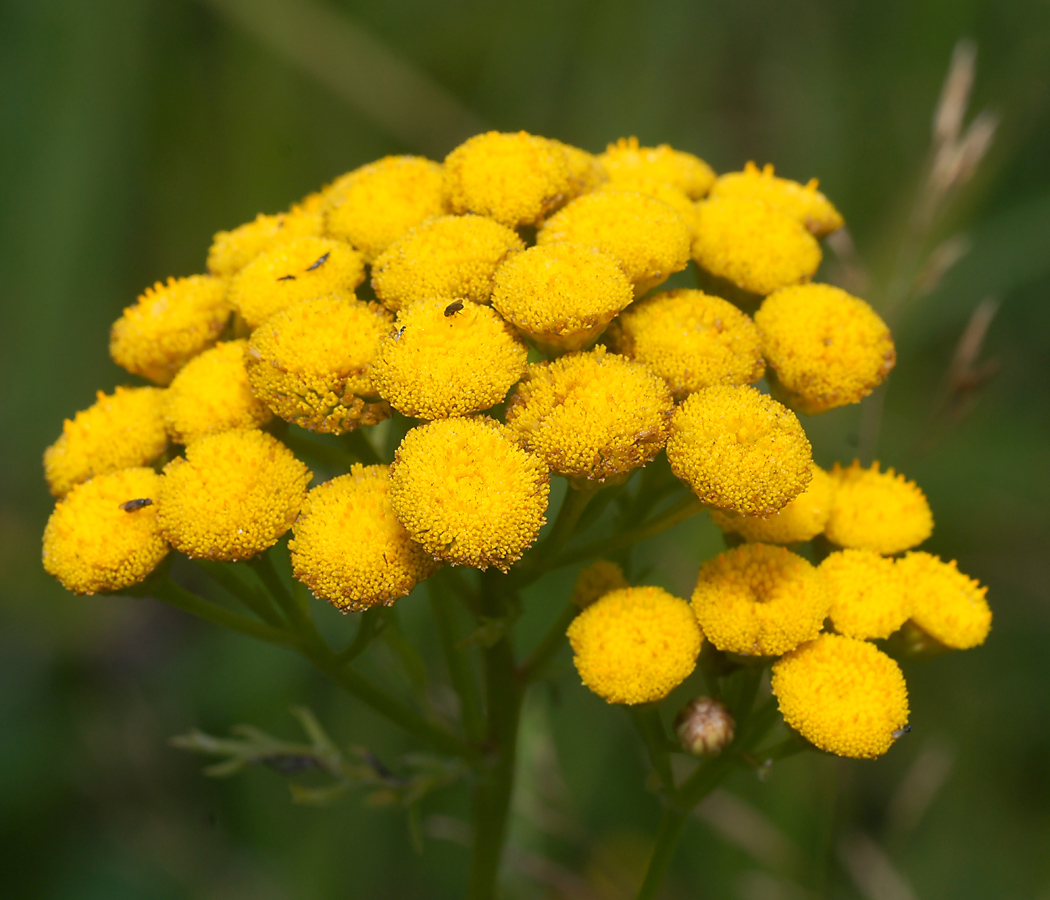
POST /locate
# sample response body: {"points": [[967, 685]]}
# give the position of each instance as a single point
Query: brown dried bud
{"points": [[704, 727]]}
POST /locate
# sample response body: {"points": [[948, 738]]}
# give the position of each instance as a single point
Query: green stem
{"points": [[362, 448], [672, 824], [366, 630], [458, 663], [225, 575], [646, 718], [549, 644], [572, 507], [296, 615]]}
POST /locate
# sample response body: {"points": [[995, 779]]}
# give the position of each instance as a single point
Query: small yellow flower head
{"points": [[170, 324], [826, 347], [378, 203], [515, 179], [658, 190], [868, 599], [312, 363], [801, 201], [299, 270], [690, 339], [92, 543], [231, 251], [739, 450], [448, 258], [117, 431], [753, 245], [801, 520], [760, 600], [470, 495], [232, 496], [948, 605], [597, 580], [626, 161], [561, 296], [591, 416], [647, 236], [879, 511], [447, 359], [212, 394], [585, 169], [348, 546], [843, 695], [635, 645]]}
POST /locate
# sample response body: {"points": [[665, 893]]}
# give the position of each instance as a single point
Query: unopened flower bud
{"points": [[704, 726]]}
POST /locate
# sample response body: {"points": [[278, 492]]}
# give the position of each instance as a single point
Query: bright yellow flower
{"points": [[948, 605], [595, 581], [802, 201], [232, 496], [635, 645], [585, 169], [879, 511], [801, 520], [842, 695], [868, 599], [93, 543], [231, 251], [626, 161], [663, 191]]}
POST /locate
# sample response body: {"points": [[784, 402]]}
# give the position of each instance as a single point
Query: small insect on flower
{"points": [[290, 277], [454, 307], [900, 732], [133, 505], [320, 262], [399, 332]]}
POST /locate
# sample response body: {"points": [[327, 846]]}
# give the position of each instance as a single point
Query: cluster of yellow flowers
{"points": [[491, 277]]}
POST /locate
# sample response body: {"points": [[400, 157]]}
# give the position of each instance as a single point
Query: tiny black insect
{"points": [[454, 307], [900, 732], [320, 262], [132, 505], [399, 332], [286, 278]]}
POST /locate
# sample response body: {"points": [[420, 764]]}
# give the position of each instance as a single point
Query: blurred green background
{"points": [[132, 130]]}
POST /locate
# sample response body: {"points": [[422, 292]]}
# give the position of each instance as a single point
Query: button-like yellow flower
{"points": [[948, 605], [739, 450], [826, 347], [561, 296], [118, 431], [760, 600], [231, 251], [801, 520], [690, 339], [879, 511], [169, 325], [350, 549], [663, 191], [585, 169], [802, 201], [597, 580], [625, 161], [96, 541], [299, 270], [868, 599], [447, 359], [468, 493], [591, 416], [448, 258], [212, 394], [232, 496], [843, 695], [635, 645]]}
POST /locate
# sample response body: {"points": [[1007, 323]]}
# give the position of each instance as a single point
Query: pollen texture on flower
{"points": [[232, 250], [626, 161], [586, 171], [802, 201], [868, 599], [946, 604], [801, 520]]}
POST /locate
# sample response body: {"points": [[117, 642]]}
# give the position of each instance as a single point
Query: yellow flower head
{"points": [[597, 580], [663, 191], [635, 645], [591, 416], [231, 251], [94, 543], [647, 236], [826, 347], [585, 169], [801, 520], [625, 160], [801, 201], [465, 491], [879, 511], [376, 204], [232, 496], [948, 605], [760, 600], [868, 599], [843, 695], [348, 546], [312, 363], [117, 431], [515, 179], [561, 296], [212, 394], [447, 359], [739, 450], [690, 339], [448, 258], [170, 324], [299, 270], [753, 245]]}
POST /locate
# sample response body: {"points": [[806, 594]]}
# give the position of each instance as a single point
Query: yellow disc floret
{"points": [[96, 541], [468, 493], [212, 394], [760, 600], [591, 416], [801, 520], [585, 169], [802, 201], [349, 548], [170, 324], [635, 645], [739, 450], [690, 339], [948, 605], [118, 431], [312, 363], [868, 599], [232, 496], [625, 160], [447, 359], [826, 347], [658, 190], [879, 511], [843, 695], [231, 251]]}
